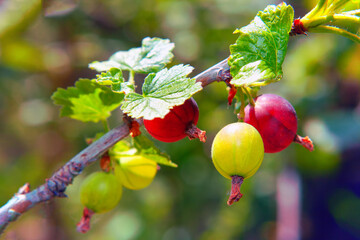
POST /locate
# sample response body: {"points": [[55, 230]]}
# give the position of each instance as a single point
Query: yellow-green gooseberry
{"points": [[100, 192], [135, 172], [237, 153]]}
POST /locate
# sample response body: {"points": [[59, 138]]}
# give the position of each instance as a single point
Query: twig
{"points": [[56, 185], [217, 73]]}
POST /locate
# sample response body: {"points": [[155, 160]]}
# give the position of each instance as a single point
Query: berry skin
{"points": [[100, 192], [135, 172], [237, 153], [178, 123], [275, 119]]}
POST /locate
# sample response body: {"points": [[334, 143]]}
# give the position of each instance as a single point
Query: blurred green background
{"points": [[295, 194]]}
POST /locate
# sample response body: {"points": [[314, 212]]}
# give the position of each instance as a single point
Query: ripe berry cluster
{"points": [[269, 126]]}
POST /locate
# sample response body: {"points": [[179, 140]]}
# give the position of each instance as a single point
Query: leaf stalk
{"points": [[241, 114], [132, 77], [337, 30], [105, 124], [248, 94]]}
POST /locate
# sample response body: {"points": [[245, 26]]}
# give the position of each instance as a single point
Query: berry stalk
{"points": [[248, 94], [177, 124], [84, 225], [227, 153], [194, 132], [305, 142], [235, 194]]}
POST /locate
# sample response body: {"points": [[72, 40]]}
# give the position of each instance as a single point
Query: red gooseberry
{"points": [[275, 119], [178, 123]]}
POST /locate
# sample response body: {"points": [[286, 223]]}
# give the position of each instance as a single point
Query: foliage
{"points": [[260, 50], [152, 56], [114, 78], [142, 146], [161, 92], [87, 101]]}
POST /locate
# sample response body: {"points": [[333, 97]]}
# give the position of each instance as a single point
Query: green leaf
{"points": [[152, 56], [103, 66], [259, 52], [161, 92], [114, 78], [122, 148], [142, 147], [253, 74], [109, 77], [147, 149], [87, 101]]}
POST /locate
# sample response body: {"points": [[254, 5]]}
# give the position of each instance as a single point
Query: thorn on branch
{"points": [[24, 189], [224, 75], [133, 125], [105, 162], [231, 94], [89, 140]]}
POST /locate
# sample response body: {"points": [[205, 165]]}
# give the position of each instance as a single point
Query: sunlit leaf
{"points": [[259, 52], [114, 78], [142, 147], [152, 56], [147, 149], [161, 92], [87, 101]]}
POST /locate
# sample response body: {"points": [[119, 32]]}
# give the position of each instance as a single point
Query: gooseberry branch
{"points": [[56, 185], [217, 73]]}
